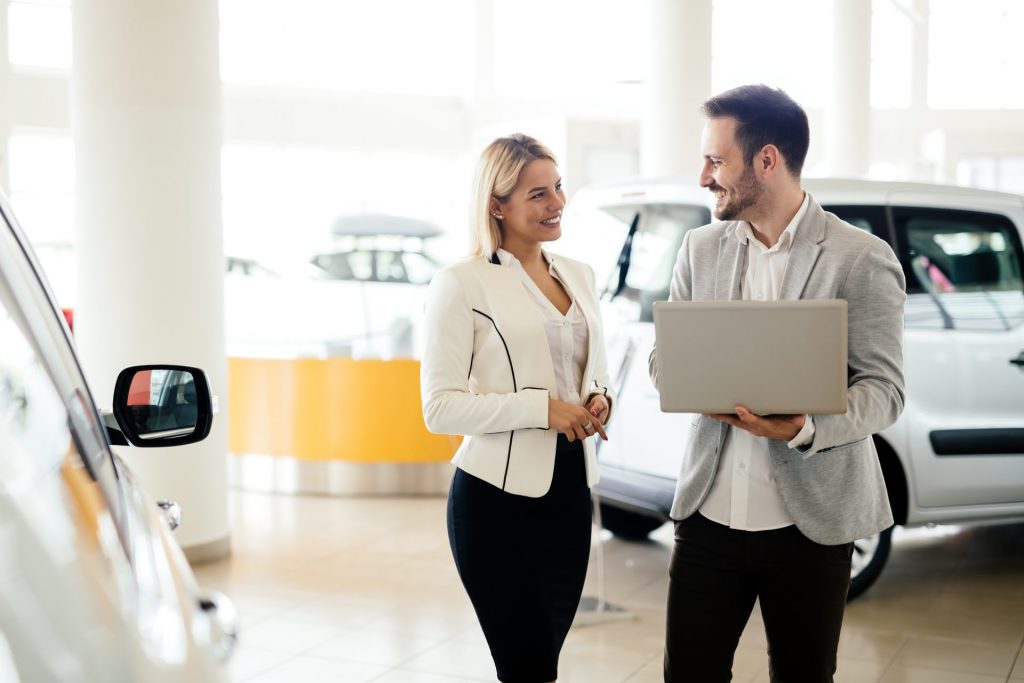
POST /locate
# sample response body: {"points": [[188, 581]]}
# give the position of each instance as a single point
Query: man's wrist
{"points": [[805, 436]]}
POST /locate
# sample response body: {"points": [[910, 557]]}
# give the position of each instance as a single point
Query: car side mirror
{"points": [[163, 405]]}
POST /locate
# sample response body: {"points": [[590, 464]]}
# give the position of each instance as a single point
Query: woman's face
{"points": [[533, 211]]}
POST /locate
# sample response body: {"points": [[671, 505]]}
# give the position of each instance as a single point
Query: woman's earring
{"points": [[497, 215]]}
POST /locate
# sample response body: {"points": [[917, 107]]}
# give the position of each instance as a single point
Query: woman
{"points": [[514, 360]]}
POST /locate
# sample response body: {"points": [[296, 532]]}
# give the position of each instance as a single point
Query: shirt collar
{"points": [[745, 234], [507, 259]]}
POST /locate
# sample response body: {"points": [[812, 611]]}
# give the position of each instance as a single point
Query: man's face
{"points": [[726, 173]]}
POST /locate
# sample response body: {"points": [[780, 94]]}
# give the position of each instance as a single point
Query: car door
{"points": [[963, 349]]}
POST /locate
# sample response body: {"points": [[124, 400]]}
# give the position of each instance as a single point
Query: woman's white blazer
{"points": [[487, 373]]}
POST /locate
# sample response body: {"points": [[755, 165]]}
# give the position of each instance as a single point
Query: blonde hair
{"points": [[496, 175]]}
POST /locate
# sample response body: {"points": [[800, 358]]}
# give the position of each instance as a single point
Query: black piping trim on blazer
{"points": [[515, 389]]}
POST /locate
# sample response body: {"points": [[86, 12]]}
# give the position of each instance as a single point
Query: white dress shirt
{"points": [[744, 494], [568, 335]]}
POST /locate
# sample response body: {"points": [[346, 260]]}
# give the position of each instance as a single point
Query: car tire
{"points": [[869, 557], [627, 525]]}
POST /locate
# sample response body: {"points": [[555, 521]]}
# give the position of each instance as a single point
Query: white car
{"points": [[955, 456], [93, 587]]}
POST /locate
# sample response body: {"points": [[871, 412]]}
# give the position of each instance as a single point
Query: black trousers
{"points": [[715, 576], [523, 562]]}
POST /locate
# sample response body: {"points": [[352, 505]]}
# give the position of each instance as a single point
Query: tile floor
{"points": [[364, 589]]}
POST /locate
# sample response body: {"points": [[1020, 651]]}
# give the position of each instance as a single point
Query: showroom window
{"points": [[39, 33], [42, 178], [738, 24], [968, 39], [383, 46], [892, 29], [992, 173], [590, 48], [283, 200]]}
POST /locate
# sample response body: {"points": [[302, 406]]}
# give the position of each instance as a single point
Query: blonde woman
{"points": [[514, 360]]}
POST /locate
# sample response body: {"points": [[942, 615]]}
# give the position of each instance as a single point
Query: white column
{"points": [[482, 98], [929, 164], [147, 129], [5, 102], [848, 118], [679, 82], [921, 16]]}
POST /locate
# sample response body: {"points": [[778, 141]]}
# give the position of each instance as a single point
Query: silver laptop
{"points": [[774, 357]]}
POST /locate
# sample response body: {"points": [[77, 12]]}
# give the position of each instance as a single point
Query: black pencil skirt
{"points": [[523, 562]]}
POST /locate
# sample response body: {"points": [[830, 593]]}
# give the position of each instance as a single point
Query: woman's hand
{"points": [[599, 407], [574, 421]]}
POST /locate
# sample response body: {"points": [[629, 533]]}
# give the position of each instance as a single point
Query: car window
{"points": [[29, 303], [418, 268], [347, 265], [868, 218], [968, 263], [42, 466], [390, 267], [960, 251], [654, 250], [32, 414]]}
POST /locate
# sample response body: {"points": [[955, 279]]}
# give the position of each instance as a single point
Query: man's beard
{"points": [[747, 192]]}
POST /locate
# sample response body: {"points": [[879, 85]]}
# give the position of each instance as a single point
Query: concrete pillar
{"points": [[679, 82], [5, 102], [147, 128], [848, 119]]}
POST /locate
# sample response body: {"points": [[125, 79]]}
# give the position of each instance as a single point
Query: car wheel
{"points": [[631, 526], [869, 557]]}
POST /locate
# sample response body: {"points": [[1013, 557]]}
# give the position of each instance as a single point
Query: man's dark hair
{"points": [[764, 116]]}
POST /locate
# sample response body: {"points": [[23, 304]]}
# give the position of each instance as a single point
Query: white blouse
{"points": [[568, 335]]}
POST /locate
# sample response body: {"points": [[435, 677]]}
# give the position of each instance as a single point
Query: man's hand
{"points": [[781, 427]]}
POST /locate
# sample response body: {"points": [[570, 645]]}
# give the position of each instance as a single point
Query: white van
{"points": [[955, 456]]}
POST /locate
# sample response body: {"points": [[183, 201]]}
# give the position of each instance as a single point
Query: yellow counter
{"points": [[362, 411]]}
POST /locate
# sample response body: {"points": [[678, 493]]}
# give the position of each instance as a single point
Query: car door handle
{"points": [[171, 511], [1019, 360]]}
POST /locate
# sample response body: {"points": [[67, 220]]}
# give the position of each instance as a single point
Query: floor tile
{"points": [[956, 655], [247, 662], [1018, 669], [455, 658], [288, 635], [407, 676], [898, 674], [317, 670], [325, 595], [375, 647]]}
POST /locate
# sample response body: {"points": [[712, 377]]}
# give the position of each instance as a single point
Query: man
{"points": [[767, 507]]}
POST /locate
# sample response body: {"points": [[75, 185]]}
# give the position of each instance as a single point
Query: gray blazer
{"points": [[833, 488]]}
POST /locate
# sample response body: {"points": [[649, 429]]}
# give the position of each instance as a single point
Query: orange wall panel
{"points": [[331, 409]]}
